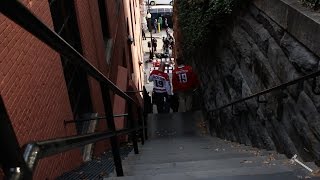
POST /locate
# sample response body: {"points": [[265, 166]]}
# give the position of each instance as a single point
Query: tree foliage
{"points": [[202, 22], [311, 3]]}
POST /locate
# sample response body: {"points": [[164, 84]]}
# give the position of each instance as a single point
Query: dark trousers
{"points": [[161, 100], [143, 35], [174, 103]]}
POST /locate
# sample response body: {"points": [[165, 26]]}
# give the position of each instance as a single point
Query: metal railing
{"points": [[65, 122], [18, 166]]}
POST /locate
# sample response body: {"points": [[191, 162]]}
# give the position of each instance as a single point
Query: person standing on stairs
{"points": [[161, 88], [184, 82], [143, 34]]}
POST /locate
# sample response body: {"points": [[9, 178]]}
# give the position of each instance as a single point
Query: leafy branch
{"points": [[204, 21]]}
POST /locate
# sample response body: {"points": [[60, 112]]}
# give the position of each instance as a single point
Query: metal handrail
{"points": [[279, 87], [133, 91], [91, 119], [52, 39], [37, 150]]}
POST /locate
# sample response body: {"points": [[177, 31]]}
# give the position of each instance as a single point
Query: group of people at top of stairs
{"points": [[179, 97], [159, 23], [168, 43]]}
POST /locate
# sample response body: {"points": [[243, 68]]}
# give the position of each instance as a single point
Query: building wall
{"points": [[132, 13], [93, 50], [34, 91], [32, 81], [261, 50]]}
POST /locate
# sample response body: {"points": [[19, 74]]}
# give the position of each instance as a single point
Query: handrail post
{"points": [[13, 164], [141, 118], [111, 126], [146, 106], [133, 124]]}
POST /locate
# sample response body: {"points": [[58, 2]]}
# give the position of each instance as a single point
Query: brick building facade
{"points": [[40, 88]]}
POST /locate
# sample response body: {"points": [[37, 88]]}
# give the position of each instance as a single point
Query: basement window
{"points": [[66, 25], [108, 42]]}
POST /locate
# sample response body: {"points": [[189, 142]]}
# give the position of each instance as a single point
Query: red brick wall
{"points": [[32, 82], [117, 27], [93, 49], [119, 105], [132, 13], [34, 91]]}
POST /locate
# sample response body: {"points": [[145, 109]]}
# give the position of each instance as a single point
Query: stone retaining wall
{"points": [[272, 43]]}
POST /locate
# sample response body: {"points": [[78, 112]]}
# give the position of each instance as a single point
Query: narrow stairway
{"points": [[180, 148]]}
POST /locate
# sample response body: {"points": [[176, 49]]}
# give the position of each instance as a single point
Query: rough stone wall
{"points": [[257, 55]]}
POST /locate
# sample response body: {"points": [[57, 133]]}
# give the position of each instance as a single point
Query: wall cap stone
{"points": [[301, 22]]}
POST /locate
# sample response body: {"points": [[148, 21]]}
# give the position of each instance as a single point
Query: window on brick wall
{"points": [[105, 29], [132, 19], [130, 51], [124, 60], [118, 5], [135, 20], [65, 24]]}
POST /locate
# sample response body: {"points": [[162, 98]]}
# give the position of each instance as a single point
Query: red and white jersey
{"points": [[183, 79], [161, 82], [156, 63]]}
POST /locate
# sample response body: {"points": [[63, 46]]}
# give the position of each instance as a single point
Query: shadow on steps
{"points": [[176, 124]]}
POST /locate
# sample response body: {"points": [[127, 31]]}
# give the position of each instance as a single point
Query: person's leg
{"points": [[175, 103], [155, 100], [188, 101], [166, 104], [182, 102], [160, 103]]}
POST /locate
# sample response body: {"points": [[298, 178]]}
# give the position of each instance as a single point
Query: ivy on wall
{"points": [[312, 3], [202, 22]]}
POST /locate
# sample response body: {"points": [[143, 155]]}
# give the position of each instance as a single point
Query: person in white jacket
{"points": [[161, 88]]}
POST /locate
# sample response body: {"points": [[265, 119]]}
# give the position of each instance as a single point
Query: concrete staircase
{"points": [[180, 148]]}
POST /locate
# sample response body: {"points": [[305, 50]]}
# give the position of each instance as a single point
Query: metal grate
{"points": [[96, 169]]}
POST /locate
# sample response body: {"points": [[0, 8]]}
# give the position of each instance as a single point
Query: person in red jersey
{"points": [[184, 82], [161, 88]]}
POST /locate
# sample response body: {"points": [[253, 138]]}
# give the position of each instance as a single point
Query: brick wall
{"points": [[32, 81], [132, 13], [117, 27], [93, 49], [34, 91]]}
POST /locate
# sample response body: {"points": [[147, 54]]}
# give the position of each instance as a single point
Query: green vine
{"points": [[315, 4], [202, 22]]}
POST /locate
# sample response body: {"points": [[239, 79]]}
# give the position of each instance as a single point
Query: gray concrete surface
{"points": [[193, 154]]}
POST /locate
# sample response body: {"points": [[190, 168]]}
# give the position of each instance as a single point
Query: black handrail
{"points": [[18, 13], [38, 150], [133, 91], [279, 87], [91, 119]]}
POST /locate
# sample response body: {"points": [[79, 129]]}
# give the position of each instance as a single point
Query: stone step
{"points": [[195, 143], [181, 151], [149, 168], [182, 158], [173, 150], [244, 173]]}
